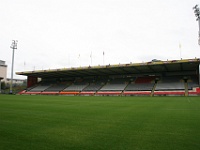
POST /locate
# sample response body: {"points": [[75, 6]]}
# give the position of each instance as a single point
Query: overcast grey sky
{"points": [[65, 33]]}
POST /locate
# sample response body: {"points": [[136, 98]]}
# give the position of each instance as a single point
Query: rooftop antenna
{"points": [[13, 46], [197, 14]]}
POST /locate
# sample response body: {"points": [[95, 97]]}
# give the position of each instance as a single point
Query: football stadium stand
{"points": [[39, 88], [96, 84], [192, 82], [170, 83], [117, 84], [176, 77], [56, 88], [141, 84]]}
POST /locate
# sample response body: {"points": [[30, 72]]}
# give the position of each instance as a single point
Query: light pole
{"points": [[197, 14], [13, 46]]}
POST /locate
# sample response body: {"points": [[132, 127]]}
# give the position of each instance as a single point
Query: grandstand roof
{"points": [[153, 67]]}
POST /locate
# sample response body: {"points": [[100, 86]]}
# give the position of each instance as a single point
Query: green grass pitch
{"points": [[99, 123]]}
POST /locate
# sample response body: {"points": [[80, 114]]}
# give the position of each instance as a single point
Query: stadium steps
{"points": [[127, 85], [125, 88], [85, 87], [153, 89]]}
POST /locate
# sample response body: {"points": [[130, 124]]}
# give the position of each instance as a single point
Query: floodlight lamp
{"points": [[195, 6], [196, 11], [14, 44]]}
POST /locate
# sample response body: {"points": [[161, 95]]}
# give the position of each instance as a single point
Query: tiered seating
{"points": [[173, 85], [170, 83], [193, 86], [93, 87], [30, 88], [54, 89], [141, 86], [117, 84], [40, 88], [75, 88], [114, 86], [48, 87], [192, 82]]}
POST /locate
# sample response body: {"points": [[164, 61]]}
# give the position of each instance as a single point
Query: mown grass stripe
{"points": [[59, 122]]}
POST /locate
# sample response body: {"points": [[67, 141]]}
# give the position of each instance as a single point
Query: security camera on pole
{"points": [[197, 14], [13, 46]]}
